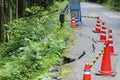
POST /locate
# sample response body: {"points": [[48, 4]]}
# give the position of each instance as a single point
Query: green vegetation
{"points": [[36, 43], [115, 4]]}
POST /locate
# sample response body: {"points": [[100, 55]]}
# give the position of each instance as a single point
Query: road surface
{"points": [[83, 42]]}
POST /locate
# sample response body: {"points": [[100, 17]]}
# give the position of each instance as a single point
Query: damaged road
{"points": [[86, 40], [66, 60]]}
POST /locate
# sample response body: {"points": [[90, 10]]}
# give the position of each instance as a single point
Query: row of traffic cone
{"points": [[110, 38], [103, 37], [106, 68]]}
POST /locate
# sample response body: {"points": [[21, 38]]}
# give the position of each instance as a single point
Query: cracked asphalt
{"points": [[84, 39]]}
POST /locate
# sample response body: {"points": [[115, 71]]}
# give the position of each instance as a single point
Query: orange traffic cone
{"points": [[73, 23], [98, 19], [106, 68], [87, 74], [103, 33], [97, 29], [111, 48], [110, 36]]}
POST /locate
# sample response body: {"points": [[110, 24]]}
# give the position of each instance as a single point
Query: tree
{"points": [[16, 9], [1, 20], [10, 10], [21, 8]]}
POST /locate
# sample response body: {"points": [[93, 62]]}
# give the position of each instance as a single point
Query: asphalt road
{"points": [[83, 42]]}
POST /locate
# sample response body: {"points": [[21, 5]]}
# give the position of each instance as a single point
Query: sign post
{"points": [[75, 9]]}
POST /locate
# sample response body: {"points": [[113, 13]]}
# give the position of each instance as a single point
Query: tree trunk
{"points": [[32, 3], [1, 20], [21, 8], [5, 12], [16, 9], [10, 10]]}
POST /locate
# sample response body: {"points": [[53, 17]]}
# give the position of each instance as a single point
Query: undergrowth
{"points": [[36, 43]]}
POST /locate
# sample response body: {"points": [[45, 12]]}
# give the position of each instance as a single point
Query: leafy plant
{"points": [[36, 43], [34, 9]]}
